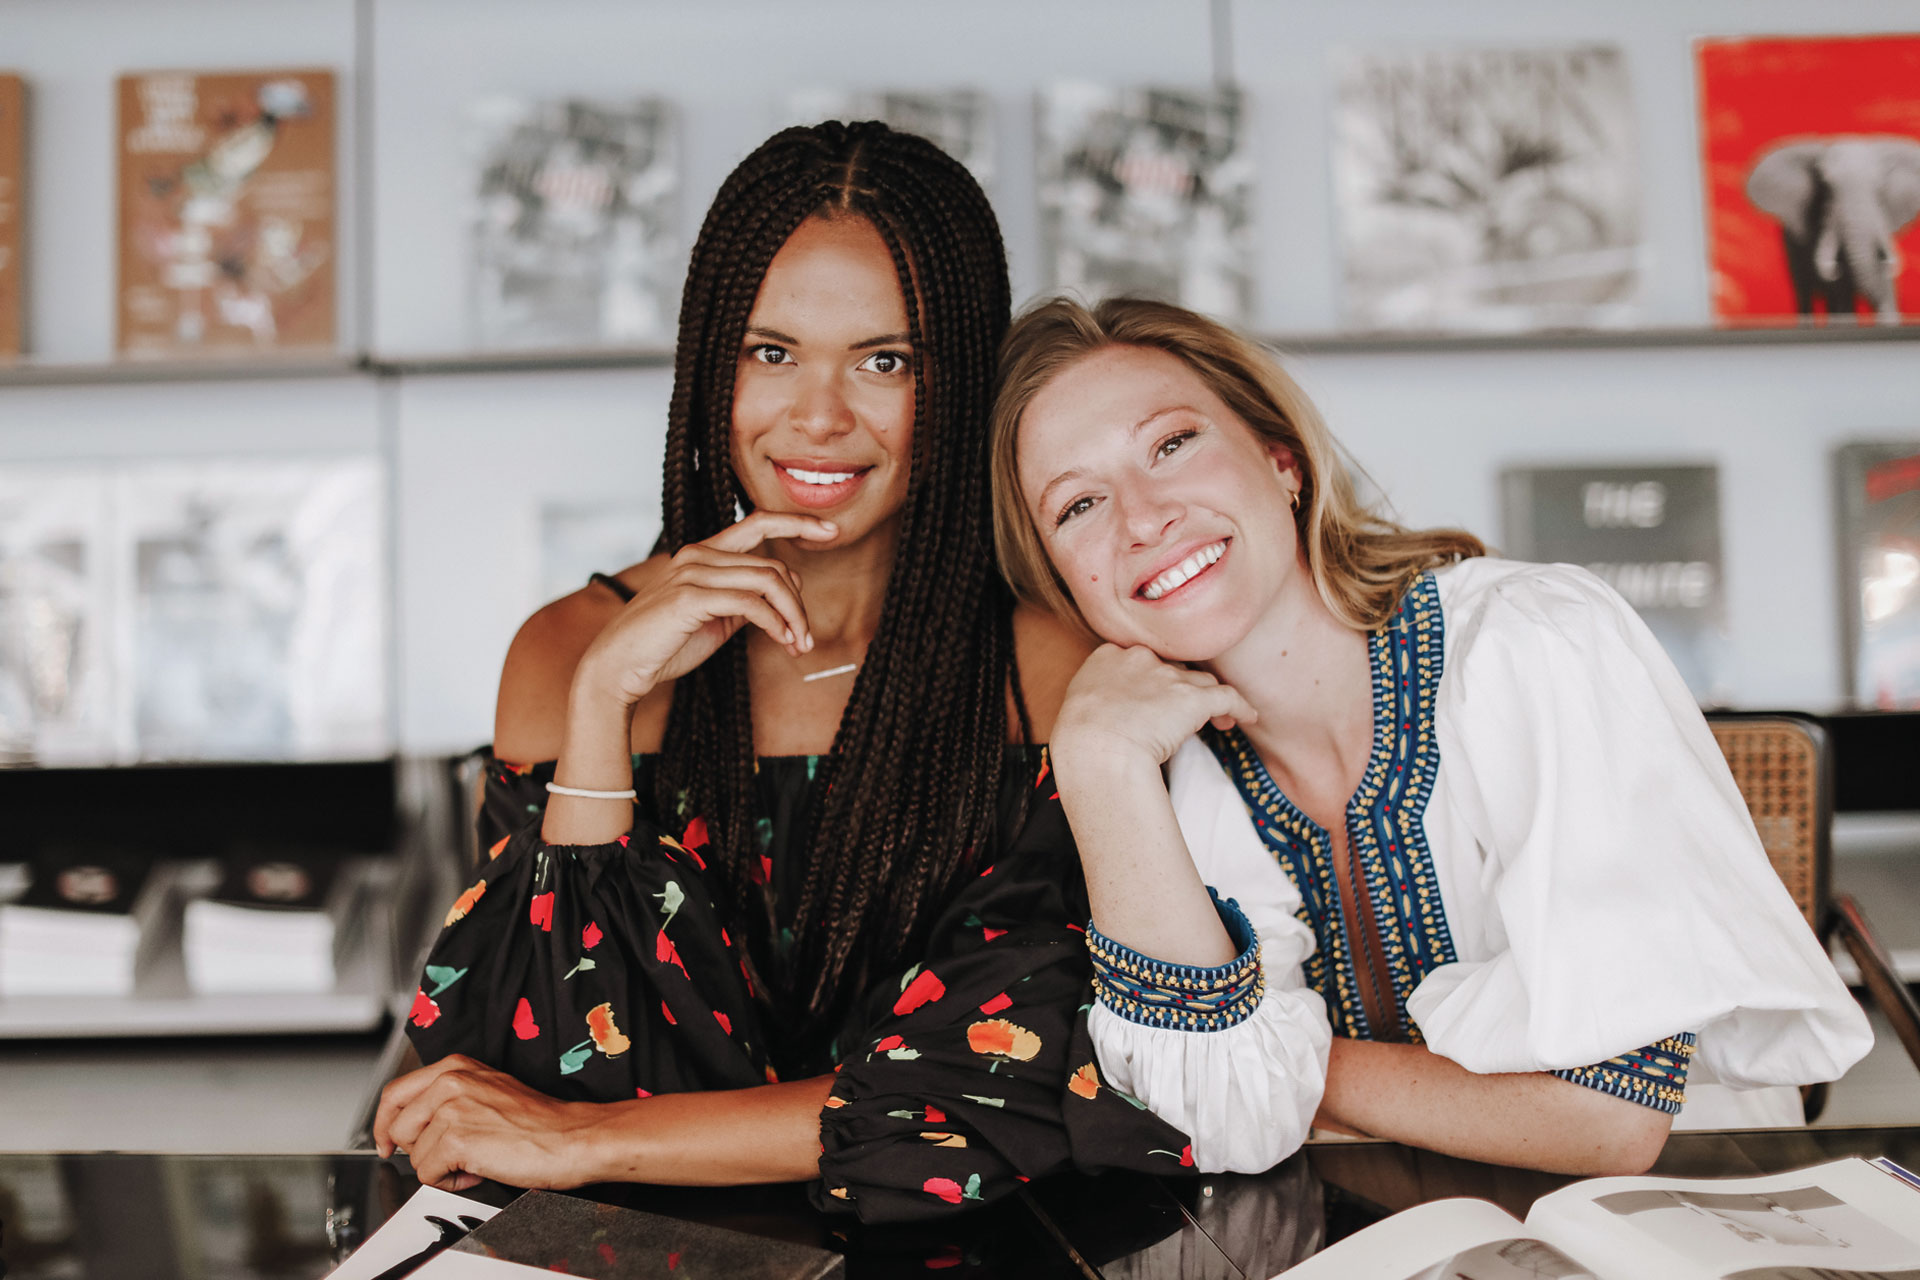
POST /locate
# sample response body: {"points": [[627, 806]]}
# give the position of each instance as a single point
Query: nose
{"points": [[1147, 514], [820, 410]]}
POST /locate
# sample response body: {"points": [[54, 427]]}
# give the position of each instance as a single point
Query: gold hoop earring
{"points": [[1293, 499]]}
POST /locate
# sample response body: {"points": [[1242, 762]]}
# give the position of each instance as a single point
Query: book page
{"points": [[1833, 1221], [424, 1227], [1444, 1240]]}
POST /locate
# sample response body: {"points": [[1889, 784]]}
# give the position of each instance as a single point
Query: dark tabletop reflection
{"points": [[119, 1217]]}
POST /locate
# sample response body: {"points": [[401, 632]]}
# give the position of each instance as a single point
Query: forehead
{"points": [[1101, 397], [833, 272]]}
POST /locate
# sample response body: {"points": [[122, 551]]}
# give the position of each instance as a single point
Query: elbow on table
{"points": [[1629, 1148]]}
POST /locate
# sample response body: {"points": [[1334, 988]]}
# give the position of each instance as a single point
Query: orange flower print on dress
{"points": [[540, 911], [1085, 1081], [998, 1038], [463, 904], [606, 1035], [424, 1012], [924, 989], [499, 847]]}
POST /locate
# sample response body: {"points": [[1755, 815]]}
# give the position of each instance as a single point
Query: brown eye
{"points": [[767, 353], [885, 362], [1077, 507]]}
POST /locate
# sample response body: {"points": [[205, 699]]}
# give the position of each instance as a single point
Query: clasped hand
{"points": [[460, 1121], [1128, 709], [706, 593]]}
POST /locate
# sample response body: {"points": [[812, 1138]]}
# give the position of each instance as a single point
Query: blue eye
{"points": [[886, 362]]}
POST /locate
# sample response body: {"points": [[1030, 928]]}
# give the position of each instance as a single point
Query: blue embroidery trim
{"points": [[1181, 997], [1655, 1076], [1385, 822]]}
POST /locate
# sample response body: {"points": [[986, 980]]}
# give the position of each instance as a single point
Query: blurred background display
{"points": [[1812, 158], [226, 211], [1148, 191], [1879, 497], [1487, 189], [576, 233]]}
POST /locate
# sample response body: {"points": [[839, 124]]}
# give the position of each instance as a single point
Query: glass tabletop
{"points": [[119, 1216]]}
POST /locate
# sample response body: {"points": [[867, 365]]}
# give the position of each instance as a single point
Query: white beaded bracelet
{"points": [[584, 794]]}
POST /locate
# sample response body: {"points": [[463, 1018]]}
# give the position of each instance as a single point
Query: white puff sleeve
{"points": [[1620, 863], [1246, 1091]]}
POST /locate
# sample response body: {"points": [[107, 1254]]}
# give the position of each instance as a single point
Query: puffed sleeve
{"points": [[593, 973], [1244, 1082], [972, 1071], [1620, 863]]}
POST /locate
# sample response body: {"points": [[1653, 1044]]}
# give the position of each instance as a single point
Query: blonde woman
{"points": [[1541, 918]]}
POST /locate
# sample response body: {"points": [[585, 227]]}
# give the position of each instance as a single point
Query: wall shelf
{"points": [[29, 373]]}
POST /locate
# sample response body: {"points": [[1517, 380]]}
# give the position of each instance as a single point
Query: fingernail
{"points": [[789, 634]]}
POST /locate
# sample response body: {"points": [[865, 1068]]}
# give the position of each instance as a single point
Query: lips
{"points": [[1193, 563], [819, 483]]}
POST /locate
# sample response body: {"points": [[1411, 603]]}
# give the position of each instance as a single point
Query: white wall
{"points": [[475, 455]]}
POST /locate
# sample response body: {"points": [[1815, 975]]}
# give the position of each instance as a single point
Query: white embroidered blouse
{"points": [[1563, 876]]}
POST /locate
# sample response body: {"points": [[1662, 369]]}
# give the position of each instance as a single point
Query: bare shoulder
{"points": [[530, 716], [1049, 651]]}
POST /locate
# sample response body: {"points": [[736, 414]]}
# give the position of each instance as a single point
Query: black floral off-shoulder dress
{"points": [[606, 972]]}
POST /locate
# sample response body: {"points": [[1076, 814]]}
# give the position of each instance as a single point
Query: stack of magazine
{"points": [[1848, 1220], [80, 927], [275, 923]]}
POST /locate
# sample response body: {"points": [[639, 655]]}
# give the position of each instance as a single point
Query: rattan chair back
{"points": [[1780, 763]]}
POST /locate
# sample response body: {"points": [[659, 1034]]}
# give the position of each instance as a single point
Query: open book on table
{"points": [[1849, 1220]]}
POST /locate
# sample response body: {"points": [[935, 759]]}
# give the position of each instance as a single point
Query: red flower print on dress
{"points": [[671, 1020], [936, 1116], [425, 1012], [666, 953], [924, 989], [1186, 1155], [695, 840], [946, 1188], [540, 911], [641, 1093], [523, 1023], [891, 1042], [590, 936], [726, 1023], [999, 1002], [988, 933]]}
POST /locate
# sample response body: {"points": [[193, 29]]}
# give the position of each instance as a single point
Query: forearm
{"points": [[1141, 881], [770, 1133], [595, 755], [1533, 1120]]}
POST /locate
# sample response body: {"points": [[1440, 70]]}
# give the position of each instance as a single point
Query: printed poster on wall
{"points": [[958, 121], [1651, 533], [575, 223], [1148, 191], [1491, 189], [13, 213], [1879, 505], [227, 233], [1812, 178]]}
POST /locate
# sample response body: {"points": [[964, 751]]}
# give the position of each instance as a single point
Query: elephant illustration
{"points": [[1840, 202]]}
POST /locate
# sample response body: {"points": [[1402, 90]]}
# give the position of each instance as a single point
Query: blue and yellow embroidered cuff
{"points": [[1655, 1076], [1181, 997]]}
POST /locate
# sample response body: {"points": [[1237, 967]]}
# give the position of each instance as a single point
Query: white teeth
{"points": [[819, 477], [1184, 571]]}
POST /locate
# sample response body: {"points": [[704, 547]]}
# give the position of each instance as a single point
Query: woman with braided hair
{"points": [[778, 887]]}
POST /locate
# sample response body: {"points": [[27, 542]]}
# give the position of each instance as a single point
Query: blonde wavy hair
{"points": [[1361, 562]]}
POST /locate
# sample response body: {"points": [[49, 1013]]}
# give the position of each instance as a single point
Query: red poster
{"points": [[1812, 161]]}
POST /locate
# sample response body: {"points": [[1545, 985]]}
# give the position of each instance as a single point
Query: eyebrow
{"points": [[1134, 430], [883, 340]]}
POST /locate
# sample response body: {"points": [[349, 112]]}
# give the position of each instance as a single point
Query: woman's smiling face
{"points": [[1166, 516], [823, 396]]}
